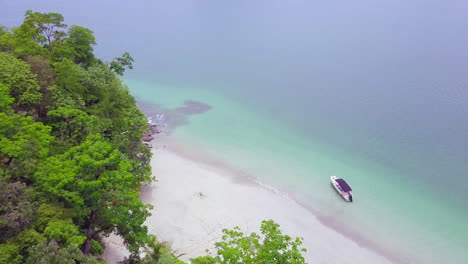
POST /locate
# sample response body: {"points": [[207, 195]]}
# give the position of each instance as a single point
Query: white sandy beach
{"points": [[194, 201]]}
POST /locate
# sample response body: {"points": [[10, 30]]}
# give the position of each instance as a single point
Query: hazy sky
{"points": [[369, 66]]}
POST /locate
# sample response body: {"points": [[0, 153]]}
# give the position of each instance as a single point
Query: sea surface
{"points": [[292, 92]]}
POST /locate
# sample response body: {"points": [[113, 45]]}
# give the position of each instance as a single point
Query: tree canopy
{"points": [[47, 26], [71, 156], [95, 180], [52, 253], [81, 40], [23, 143], [16, 208], [119, 64], [72, 159], [271, 246], [16, 75]]}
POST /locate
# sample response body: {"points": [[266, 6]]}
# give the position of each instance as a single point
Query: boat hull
{"points": [[347, 196]]}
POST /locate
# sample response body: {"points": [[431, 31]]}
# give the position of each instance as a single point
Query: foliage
{"points": [[62, 185], [61, 50], [47, 26], [16, 208], [205, 260], [154, 252], [10, 253], [81, 40], [269, 247], [95, 180], [22, 144], [26, 239], [97, 247], [41, 67], [167, 257], [118, 119], [20, 41], [119, 64], [71, 125], [68, 76], [72, 160], [5, 99], [3, 30], [68, 81], [52, 253], [45, 76], [65, 233], [48, 212], [16, 75]]}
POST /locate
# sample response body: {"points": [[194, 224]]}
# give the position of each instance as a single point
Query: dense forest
{"points": [[71, 156], [72, 160]]}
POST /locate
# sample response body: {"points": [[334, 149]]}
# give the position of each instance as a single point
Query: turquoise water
{"points": [[372, 91], [392, 211]]}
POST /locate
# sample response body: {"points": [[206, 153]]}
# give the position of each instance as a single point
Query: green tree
{"points": [[81, 40], [269, 247], [17, 76], [98, 80], [68, 76], [45, 75], [22, 144], [154, 252], [27, 239], [55, 97], [34, 36], [95, 180], [3, 30], [52, 253], [68, 83], [16, 208], [10, 253], [5, 99], [205, 260], [70, 125], [49, 212], [119, 120], [48, 26], [41, 67], [60, 51], [119, 64], [21, 41], [64, 232], [6, 40]]}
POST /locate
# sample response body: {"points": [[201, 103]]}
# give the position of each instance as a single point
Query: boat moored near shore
{"points": [[342, 187]]}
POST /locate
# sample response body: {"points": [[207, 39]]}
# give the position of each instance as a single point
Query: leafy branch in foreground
{"points": [[270, 247]]}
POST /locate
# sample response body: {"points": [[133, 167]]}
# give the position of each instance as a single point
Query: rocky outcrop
{"points": [[150, 133]]}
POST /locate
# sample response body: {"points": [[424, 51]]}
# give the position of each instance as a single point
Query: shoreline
{"points": [[379, 220], [240, 177], [195, 197]]}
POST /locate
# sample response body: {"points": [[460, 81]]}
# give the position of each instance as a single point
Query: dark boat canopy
{"points": [[344, 186]]}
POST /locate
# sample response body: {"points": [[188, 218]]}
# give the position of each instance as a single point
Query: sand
{"points": [[193, 201]]}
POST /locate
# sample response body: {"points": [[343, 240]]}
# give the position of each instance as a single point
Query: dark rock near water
{"points": [[164, 120], [150, 133]]}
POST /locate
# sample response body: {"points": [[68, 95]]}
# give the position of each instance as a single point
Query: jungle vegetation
{"points": [[72, 160]]}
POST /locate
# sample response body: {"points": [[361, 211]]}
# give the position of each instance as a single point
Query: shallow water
{"points": [[375, 92], [394, 215]]}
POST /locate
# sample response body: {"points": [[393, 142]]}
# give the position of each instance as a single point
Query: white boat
{"points": [[342, 188]]}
